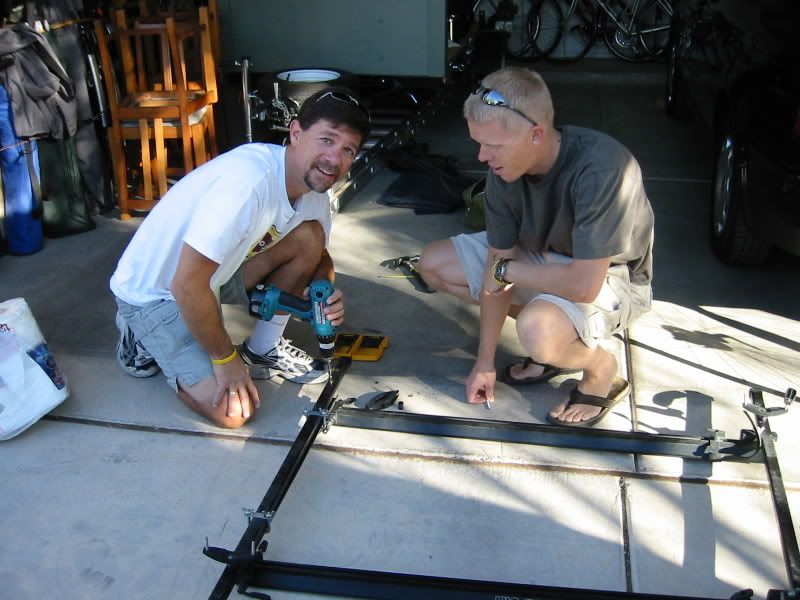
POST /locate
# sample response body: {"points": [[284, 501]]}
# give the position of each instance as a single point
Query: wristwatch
{"points": [[499, 270]]}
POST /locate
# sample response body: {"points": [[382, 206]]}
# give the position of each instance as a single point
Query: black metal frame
{"points": [[712, 447], [246, 567]]}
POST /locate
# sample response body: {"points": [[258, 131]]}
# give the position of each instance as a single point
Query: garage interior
{"points": [[133, 485]]}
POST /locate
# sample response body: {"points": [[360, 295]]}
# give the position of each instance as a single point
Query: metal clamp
{"points": [[715, 438], [328, 416], [762, 412], [254, 514], [233, 558], [324, 414]]}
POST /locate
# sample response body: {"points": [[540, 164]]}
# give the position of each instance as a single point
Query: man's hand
{"points": [[480, 384], [235, 387], [335, 309], [491, 287]]}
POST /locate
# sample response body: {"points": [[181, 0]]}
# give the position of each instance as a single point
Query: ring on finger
{"points": [[233, 393]]}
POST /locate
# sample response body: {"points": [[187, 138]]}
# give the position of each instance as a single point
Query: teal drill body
{"points": [[265, 300]]}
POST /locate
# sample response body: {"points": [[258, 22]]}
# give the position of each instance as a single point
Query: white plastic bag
{"points": [[31, 384]]}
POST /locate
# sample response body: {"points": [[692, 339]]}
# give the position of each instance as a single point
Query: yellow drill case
{"points": [[360, 346]]}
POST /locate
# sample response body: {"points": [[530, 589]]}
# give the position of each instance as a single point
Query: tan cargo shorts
{"points": [[618, 304]]}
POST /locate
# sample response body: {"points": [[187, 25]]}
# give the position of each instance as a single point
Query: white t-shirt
{"points": [[227, 209]]}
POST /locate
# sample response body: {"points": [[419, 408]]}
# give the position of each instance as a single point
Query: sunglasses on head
{"points": [[346, 98], [492, 97]]}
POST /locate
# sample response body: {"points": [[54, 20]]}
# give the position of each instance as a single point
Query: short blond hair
{"points": [[524, 89]]}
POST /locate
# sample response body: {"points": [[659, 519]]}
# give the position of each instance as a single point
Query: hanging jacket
{"points": [[42, 96]]}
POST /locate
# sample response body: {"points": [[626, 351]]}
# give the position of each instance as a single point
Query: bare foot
{"points": [[596, 382], [525, 370]]}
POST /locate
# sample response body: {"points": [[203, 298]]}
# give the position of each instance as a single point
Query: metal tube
{"points": [[552, 435], [248, 126], [332, 581], [283, 480], [791, 552], [99, 90]]}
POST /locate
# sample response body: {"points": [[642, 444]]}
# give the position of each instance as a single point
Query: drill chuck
{"points": [[326, 345]]}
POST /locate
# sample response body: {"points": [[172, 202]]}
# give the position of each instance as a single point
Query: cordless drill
{"points": [[265, 300]]}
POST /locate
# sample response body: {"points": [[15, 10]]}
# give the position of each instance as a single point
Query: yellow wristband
{"points": [[226, 360]]}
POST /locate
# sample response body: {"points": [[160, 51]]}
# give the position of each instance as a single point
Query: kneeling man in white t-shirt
{"points": [[258, 213]]}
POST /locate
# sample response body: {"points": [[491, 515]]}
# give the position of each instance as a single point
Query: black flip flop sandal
{"points": [[619, 389], [549, 372]]}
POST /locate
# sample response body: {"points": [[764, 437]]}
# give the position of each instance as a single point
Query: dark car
{"points": [[735, 65]]}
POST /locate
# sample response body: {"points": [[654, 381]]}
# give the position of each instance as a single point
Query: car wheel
{"points": [[732, 237]]}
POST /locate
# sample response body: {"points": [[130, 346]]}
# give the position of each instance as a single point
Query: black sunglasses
{"points": [[492, 97], [347, 98]]}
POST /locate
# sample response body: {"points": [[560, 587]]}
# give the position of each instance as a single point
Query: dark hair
{"points": [[339, 106]]}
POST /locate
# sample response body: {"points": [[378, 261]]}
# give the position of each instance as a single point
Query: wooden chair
{"points": [[152, 105], [146, 9]]}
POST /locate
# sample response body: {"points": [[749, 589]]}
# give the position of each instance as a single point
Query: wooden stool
{"points": [[153, 104]]}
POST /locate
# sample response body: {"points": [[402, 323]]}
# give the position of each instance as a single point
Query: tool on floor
{"points": [[265, 300], [360, 346], [383, 400], [408, 264], [395, 277]]}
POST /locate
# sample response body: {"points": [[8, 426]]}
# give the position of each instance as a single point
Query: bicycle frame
{"points": [[629, 29], [633, 30]]}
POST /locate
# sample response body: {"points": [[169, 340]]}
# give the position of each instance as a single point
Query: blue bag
{"points": [[19, 160]]}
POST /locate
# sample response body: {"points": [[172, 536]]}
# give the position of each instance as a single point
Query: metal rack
{"points": [[246, 567]]}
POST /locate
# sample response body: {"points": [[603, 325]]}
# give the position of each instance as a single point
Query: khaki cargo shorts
{"points": [[618, 304]]}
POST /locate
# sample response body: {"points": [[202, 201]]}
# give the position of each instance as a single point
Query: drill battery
{"points": [[359, 346]]}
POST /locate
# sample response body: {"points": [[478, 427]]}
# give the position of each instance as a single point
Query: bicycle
{"points": [[518, 18], [633, 30]]}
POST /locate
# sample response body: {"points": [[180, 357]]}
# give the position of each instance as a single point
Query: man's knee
{"points": [[300, 251], [307, 243], [308, 238], [433, 261], [426, 266], [542, 329], [202, 404], [230, 422]]}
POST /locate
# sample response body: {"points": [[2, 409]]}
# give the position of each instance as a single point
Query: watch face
{"points": [[499, 271]]}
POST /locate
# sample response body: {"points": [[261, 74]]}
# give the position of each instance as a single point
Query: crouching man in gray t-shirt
{"points": [[567, 249]]}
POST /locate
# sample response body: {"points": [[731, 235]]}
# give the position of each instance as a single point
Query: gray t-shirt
{"points": [[591, 204]]}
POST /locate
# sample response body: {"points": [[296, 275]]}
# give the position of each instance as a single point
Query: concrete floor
{"points": [[113, 495]]}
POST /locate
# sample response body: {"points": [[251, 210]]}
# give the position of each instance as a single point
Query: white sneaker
{"points": [[131, 355], [285, 360]]}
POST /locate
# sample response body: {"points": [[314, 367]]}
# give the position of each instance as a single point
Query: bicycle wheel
{"points": [[525, 30], [636, 30], [578, 33], [547, 14], [655, 30]]}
